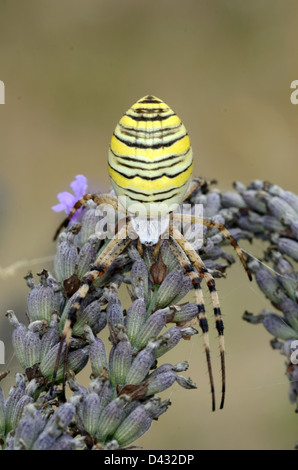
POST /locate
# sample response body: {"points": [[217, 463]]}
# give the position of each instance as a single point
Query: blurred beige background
{"points": [[71, 68]]}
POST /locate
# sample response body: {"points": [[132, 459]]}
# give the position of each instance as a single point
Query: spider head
{"points": [[150, 229]]}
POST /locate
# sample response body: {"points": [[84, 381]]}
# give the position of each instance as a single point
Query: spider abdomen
{"points": [[150, 156]]}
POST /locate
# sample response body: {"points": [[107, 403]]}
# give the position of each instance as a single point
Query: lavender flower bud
{"points": [[155, 407], [240, 186], [47, 364], [120, 362], [105, 394], [32, 346], [91, 413], [2, 414], [288, 247], [294, 228], [55, 427], [185, 382], [18, 342], [133, 426], [169, 288], [61, 418], [66, 258], [78, 359], [76, 362], [42, 302], [290, 311], [25, 435], [30, 426], [185, 287], [89, 221], [49, 339], [274, 190], [254, 200], [281, 210], [86, 257], [98, 358], [14, 406], [111, 417], [96, 318], [139, 279], [141, 365], [251, 223], [161, 382], [92, 316], [162, 369], [213, 203], [291, 199], [151, 329], [135, 319], [167, 256], [170, 339], [272, 224], [185, 313], [231, 199], [278, 327], [114, 314], [269, 285], [181, 366], [288, 278]]}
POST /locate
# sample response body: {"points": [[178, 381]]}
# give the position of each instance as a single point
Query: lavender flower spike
{"points": [[68, 200], [128, 370]]}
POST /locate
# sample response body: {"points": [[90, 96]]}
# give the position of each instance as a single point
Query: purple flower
{"points": [[68, 200]]}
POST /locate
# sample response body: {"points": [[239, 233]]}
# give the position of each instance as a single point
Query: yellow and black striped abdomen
{"points": [[150, 156]]}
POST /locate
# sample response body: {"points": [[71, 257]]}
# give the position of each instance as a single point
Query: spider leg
{"points": [[116, 246], [203, 322], [107, 199], [213, 223], [201, 268], [195, 183]]}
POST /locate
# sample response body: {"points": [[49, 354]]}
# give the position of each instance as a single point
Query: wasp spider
{"points": [[150, 162]]}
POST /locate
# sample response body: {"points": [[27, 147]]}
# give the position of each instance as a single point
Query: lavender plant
{"points": [[121, 400], [269, 213]]}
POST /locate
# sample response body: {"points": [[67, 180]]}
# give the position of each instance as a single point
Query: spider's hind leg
{"points": [[203, 271], [203, 322], [193, 219]]}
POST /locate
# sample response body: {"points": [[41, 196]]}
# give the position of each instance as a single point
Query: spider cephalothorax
{"points": [[150, 165]]}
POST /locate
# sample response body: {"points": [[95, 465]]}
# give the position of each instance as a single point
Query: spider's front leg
{"points": [[106, 199], [114, 248]]}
